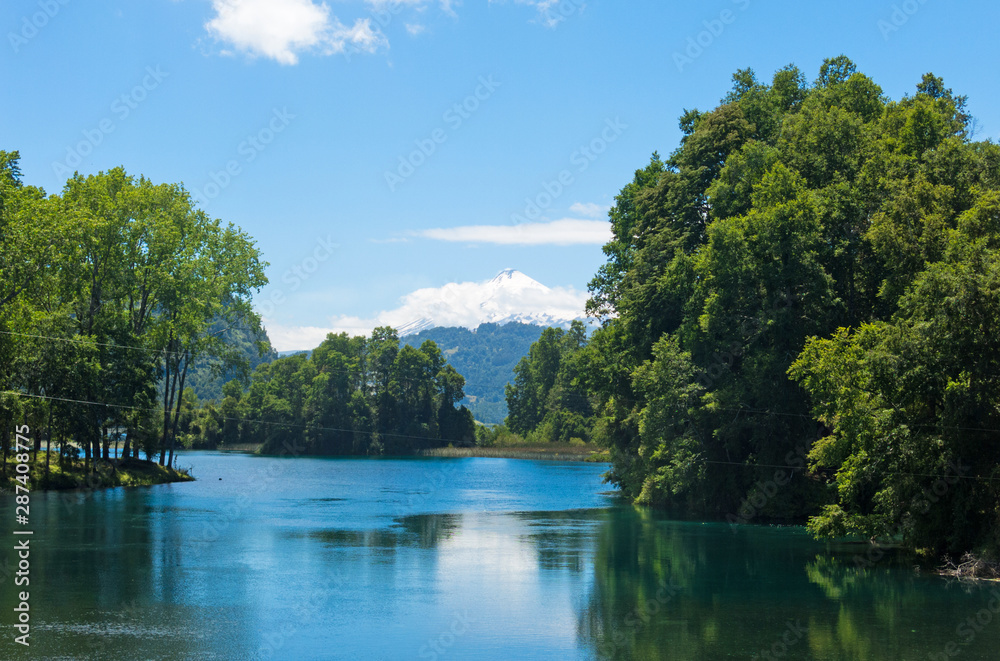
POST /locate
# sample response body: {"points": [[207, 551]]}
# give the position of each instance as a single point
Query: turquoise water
{"points": [[454, 559]]}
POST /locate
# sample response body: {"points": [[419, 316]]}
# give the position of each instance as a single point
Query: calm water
{"points": [[453, 559]]}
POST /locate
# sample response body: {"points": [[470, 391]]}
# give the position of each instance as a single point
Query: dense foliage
{"points": [[350, 395], [109, 292], [546, 401], [812, 272], [486, 358]]}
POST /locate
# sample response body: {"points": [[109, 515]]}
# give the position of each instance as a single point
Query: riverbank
{"points": [[540, 451], [246, 448], [555, 452], [971, 567], [536, 451], [73, 474]]}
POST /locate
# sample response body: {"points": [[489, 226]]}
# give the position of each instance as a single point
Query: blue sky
{"points": [[380, 147]]}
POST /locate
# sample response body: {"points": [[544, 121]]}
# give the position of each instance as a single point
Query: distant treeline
{"points": [[350, 395], [800, 314]]}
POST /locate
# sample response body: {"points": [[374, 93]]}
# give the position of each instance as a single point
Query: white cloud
{"points": [[282, 29], [297, 338], [589, 209], [394, 6], [511, 296], [563, 232], [552, 12]]}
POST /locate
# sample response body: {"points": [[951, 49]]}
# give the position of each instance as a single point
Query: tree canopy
{"points": [[110, 291], [811, 272]]}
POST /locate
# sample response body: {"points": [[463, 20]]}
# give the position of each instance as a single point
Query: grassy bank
{"points": [[241, 447], [72, 475], [561, 452], [539, 451]]}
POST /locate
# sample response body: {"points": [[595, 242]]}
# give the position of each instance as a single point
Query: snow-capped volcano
{"points": [[509, 296]]}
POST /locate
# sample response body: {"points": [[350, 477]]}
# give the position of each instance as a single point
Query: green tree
{"points": [[786, 213]]}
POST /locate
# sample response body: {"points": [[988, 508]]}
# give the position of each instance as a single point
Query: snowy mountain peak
{"points": [[509, 296], [513, 280], [506, 274], [511, 276]]}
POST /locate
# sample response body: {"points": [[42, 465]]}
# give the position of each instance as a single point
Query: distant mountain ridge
{"points": [[483, 328], [207, 384], [486, 358]]}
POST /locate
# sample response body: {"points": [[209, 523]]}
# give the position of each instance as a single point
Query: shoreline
{"points": [[536, 452], [103, 474], [530, 452]]}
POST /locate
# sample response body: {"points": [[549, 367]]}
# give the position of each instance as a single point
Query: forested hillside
{"points": [[486, 358], [800, 308], [208, 376]]}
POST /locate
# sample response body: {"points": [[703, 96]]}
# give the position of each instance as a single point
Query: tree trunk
{"points": [[126, 446], [48, 451], [5, 441], [96, 441], [48, 447], [38, 443], [177, 410], [167, 402]]}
